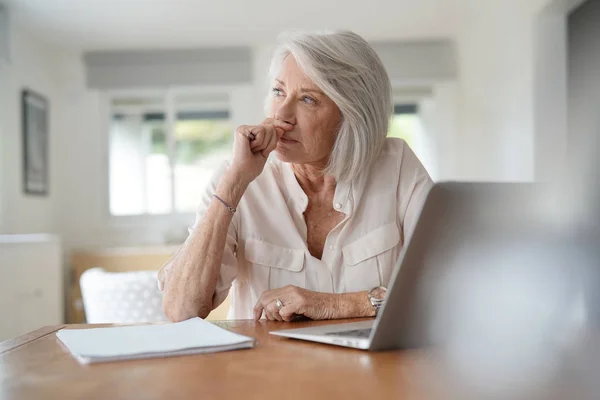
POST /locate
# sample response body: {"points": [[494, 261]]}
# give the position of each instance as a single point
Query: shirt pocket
{"points": [[273, 266], [369, 261]]}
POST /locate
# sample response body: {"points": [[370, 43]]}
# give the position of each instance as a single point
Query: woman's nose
{"points": [[286, 113]]}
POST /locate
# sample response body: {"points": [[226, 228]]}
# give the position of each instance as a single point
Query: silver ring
{"points": [[279, 304], [250, 136]]}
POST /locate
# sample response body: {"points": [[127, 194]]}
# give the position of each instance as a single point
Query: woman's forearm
{"points": [[194, 273], [352, 305]]}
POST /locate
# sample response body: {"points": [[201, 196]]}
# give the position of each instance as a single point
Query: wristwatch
{"points": [[377, 297]]}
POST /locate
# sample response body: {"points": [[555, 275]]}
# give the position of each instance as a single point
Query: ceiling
{"points": [[142, 24]]}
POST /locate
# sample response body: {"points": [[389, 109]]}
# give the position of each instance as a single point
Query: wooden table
{"points": [[36, 366]]}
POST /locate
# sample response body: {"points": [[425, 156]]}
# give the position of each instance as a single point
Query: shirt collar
{"points": [[342, 199]]}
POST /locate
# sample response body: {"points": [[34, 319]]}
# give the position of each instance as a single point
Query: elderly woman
{"points": [[316, 230]]}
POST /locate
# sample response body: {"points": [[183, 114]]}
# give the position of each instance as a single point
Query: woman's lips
{"points": [[288, 140]]}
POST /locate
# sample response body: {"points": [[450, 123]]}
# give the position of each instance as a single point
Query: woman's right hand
{"points": [[253, 144]]}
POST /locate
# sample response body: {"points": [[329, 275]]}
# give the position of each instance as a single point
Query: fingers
{"points": [[269, 125], [267, 303], [272, 145], [270, 311], [245, 131], [277, 313], [258, 310], [288, 312], [263, 135], [266, 140], [273, 312], [267, 134], [261, 307], [285, 126], [279, 132]]}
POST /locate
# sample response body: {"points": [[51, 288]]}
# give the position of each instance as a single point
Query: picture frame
{"points": [[35, 126]]}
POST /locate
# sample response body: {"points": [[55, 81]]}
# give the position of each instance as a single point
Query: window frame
{"points": [[168, 95]]}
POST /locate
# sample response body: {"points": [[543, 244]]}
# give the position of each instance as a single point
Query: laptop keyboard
{"points": [[359, 333]]}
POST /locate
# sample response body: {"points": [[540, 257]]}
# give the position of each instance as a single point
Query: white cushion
{"points": [[121, 297]]}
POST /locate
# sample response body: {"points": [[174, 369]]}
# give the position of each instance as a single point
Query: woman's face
{"points": [[315, 117]]}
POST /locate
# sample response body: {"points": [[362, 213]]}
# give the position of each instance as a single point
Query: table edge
{"points": [[19, 341]]}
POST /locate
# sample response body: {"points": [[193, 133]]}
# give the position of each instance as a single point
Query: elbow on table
{"points": [[177, 312]]}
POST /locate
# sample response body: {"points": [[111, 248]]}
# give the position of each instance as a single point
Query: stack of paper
{"points": [[193, 336]]}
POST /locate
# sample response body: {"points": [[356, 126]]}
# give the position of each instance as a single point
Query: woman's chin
{"points": [[283, 155]]}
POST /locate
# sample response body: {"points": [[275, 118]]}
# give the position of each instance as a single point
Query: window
{"points": [[405, 124], [164, 150], [409, 122]]}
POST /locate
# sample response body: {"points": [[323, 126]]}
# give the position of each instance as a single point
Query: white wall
{"points": [[550, 89], [512, 72], [439, 115], [496, 134], [33, 66], [550, 105]]}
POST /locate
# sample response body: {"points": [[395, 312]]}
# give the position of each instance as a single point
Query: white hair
{"points": [[347, 69]]}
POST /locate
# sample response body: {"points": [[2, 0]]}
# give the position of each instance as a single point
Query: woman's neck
{"points": [[311, 179]]}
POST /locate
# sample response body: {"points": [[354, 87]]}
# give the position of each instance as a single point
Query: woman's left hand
{"points": [[296, 301]]}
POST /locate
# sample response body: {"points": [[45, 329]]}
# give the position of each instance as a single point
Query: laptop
{"points": [[454, 216]]}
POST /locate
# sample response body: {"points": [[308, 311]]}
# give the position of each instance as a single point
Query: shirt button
{"points": [[331, 247], [338, 206]]}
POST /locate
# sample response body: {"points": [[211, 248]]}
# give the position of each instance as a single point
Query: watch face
{"points": [[378, 293]]}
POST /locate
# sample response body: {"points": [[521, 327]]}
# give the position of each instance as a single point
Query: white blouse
{"points": [[267, 240]]}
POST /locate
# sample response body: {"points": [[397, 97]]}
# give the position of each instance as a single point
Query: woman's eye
{"points": [[276, 91], [309, 100]]}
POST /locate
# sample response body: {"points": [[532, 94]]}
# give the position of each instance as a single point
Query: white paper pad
{"points": [[193, 336]]}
